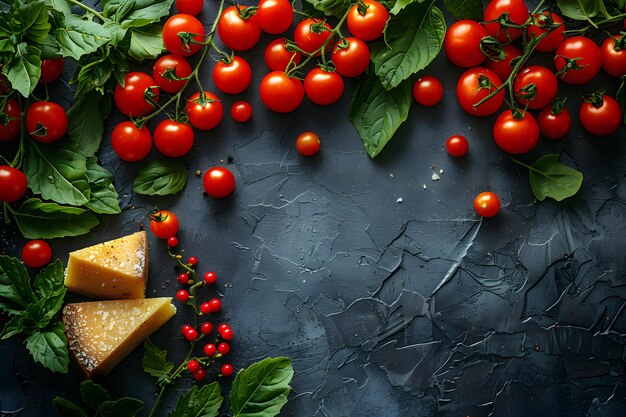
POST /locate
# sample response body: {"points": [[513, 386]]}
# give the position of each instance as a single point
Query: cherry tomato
{"points": [[236, 32], [46, 121], [205, 112], [600, 115], [226, 370], [516, 136], [518, 14], [310, 34], [36, 253], [10, 121], [130, 143], [164, 225], [580, 70], [503, 67], [476, 84], [308, 144], [192, 7], [233, 77], [462, 43], [13, 184], [351, 57], [487, 204], [179, 24], [614, 56], [554, 125], [367, 20], [173, 138], [281, 93], [51, 70], [274, 16], [540, 24], [323, 87], [131, 99], [277, 56], [241, 111], [544, 90], [169, 67], [457, 146], [219, 182], [428, 91]]}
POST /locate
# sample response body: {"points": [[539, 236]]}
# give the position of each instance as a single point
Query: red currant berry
{"points": [[222, 326], [172, 242], [192, 260], [185, 329], [183, 278], [210, 277], [210, 350], [206, 328], [223, 348], [182, 296], [227, 334], [192, 334], [205, 308], [215, 305], [200, 375], [227, 370], [193, 366]]}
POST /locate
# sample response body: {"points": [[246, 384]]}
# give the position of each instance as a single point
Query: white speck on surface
{"points": [[399, 200], [424, 185], [441, 171], [435, 176], [391, 175]]}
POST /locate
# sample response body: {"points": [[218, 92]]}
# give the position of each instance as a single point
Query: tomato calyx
{"points": [[571, 64], [320, 26], [493, 49], [505, 22], [188, 38], [558, 105], [40, 131], [543, 20], [247, 12], [170, 74], [527, 93], [327, 66], [150, 96], [203, 99], [619, 44], [484, 83], [518, 114], [595, 99], [158, 216], [361, 7]]}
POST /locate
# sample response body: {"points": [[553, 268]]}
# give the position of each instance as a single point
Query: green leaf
{"points": [[465, 9], [39, 220], [34, 19], [49, 348], [413, 39], [23, 69], [621, 97], [331, 7], [155, 362], [49, 281], [124, 407], [61, 6], [93, 395], [580, 9], [86, 122], [78, 37], [161, 177], [398, 5], [103, 195], [204, 402], [262, 388], [377, 113], [146, 43], [67, 408], [15, 290], [94, 73], [142, 13], [19, 323], [550, 178]]}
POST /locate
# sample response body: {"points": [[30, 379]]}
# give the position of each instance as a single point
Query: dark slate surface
{"points": [[412, 308]]}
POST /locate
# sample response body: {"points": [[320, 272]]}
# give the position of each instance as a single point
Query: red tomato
{"points": [[552, 124], [51, 70], [236, 32], [169, 70], [281, 93], [173, 139], [367, 20], [457, 146], [582, 70], [204, 112], [277, 56], [351, 57], [164, 224], [476, 84], [540, 24], [131, 99], [233, 77], [600, 115], [428, 91], [503, 67], [544, 90], [241, 111], [13, 184], [613, 52], [46, 121], [308, 144], [219, 182], [322, 87], [192, 7], [516, 136], [274, 16], [310, 35], [36, 253], [179, 24], [462, 43], [10, 121], [487, 204], [518, 14], [130, 143]]}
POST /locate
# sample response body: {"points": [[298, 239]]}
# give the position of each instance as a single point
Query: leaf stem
{"points": [[157, 401], [88, 9], [595, 25], [522, 164]]}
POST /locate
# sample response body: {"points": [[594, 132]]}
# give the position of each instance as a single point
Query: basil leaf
{"points": [[261, 389], [330, 7], [146, 43], [94, 73], [204, 402], [155, 362], [20, 323], [67, 408], [15, 290], [86, 122], [49, 281], [161, 177], [103, 195], [621, 97], [465, 9], [93, 395], [580, 9], [78, 37], [142, 13], [376, 113], [39, 220], [34, 19], [413, 39], [550, 178], [23, 69], [397, 5], [49, 348], [60, 6], [124, 407]]}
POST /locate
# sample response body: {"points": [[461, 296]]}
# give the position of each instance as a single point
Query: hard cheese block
{"points": [[102, 333], [116, 269]]}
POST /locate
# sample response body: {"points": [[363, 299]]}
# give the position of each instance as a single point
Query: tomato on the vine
{"points": [[219, 182], [367, 20], [535, 86], [274, 16], [577, 60], [170, 73], [281, 93], [232, 77], [241, 111], [457, 146], [323, 87], [51, 70], [541, 23], [503, 67], [554, 121], [462, 43], [131, 99], [277, 56], [238, 29], [36, 253], [10, 121], [192, 7], [204, 111], [613, 51], [173, 138], [46, 121], [308, 144], [351, 57], [517, 14], [13, 184], [487, 204], [428, 91], [600, 114], [474, 85], [164, 224], [310, 34], [130, 143], [191, 30], [516, 135]]}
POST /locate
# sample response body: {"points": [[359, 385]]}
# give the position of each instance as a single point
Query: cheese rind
{"points": [[102, 333], [117, 269]]}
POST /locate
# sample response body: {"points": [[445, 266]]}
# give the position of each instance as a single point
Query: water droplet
{"points": [[50, 179]]}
